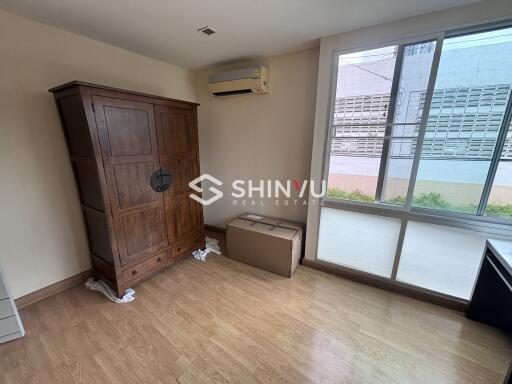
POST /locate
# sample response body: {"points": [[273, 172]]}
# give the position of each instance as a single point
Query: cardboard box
{"points": [[267, 243]]}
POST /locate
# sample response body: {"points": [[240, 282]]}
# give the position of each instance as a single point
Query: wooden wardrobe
{"points": [[123, 146]]}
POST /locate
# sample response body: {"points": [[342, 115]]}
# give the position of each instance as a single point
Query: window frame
{"points": [[388, 209]]}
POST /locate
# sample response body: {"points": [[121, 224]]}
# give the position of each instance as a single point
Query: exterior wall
{"points": [[468, 193], [465, 177]]}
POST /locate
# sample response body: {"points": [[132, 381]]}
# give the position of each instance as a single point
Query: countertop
{"points": [[503, 252]]}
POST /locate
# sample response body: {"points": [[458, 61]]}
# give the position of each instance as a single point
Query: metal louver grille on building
{"points": [[359, 125], [365, 109], [463, 123]]}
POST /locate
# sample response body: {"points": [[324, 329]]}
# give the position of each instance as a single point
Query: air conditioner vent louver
{"points": [[231, 93]]}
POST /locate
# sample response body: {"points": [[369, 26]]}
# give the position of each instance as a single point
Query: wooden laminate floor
{"points": [[223, 322]]}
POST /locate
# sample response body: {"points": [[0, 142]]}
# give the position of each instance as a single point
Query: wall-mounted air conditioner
{"points": [[239, 81]]}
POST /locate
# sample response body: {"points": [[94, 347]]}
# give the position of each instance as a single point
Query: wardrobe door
{"points": [[177, 138], [129, 148]]}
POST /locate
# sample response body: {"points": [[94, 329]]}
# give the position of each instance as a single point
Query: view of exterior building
{"points": [[466, 115]]}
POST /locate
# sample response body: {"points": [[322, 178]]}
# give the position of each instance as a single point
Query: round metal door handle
{"points": [[160, 180]]}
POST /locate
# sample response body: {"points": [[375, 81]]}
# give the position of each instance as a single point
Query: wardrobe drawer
{"points": [[6, 309], [142, 270], [186, 246], [9, 326]]}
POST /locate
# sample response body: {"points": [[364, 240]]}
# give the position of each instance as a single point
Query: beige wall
{"points": [[42, 237], [259, 137], [367, 38]]}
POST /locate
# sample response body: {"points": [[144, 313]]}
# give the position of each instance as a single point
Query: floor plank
{"points": [[220, 321]]}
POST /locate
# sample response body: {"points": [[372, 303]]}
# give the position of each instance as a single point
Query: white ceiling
{"points": [[246, 29]]}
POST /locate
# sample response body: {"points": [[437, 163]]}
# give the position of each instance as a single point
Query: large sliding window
{"points": [[419, 158], [409, 130]]}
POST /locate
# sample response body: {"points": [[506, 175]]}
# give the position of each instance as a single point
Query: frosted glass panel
{"points": [[440, 258], [356, 240]]}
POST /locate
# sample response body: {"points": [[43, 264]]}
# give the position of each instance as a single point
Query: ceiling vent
{"points": [[206, 30]]}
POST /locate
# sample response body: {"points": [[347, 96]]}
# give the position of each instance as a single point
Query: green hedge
{"points": [[355, 195], [426, 200]]}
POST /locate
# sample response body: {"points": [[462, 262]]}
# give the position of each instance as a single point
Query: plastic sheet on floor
{"points": [[100, 286], [212, 245]]}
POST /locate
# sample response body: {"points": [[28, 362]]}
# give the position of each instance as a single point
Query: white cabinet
{"points": [[3, 290], [6, 308], [10, 323]]}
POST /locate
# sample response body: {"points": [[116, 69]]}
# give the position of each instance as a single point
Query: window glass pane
{"points": [[398, 170], [356, 240], [360, 113], [414, 76], [440, 258], [470, 96], [500, 198]]}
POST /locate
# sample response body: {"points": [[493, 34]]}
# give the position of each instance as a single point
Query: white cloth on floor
{"points": [[212, 245], [100, 286]]}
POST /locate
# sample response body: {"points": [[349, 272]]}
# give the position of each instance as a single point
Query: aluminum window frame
{"points": [[439, 37], [424, 120], [384, 158]]}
